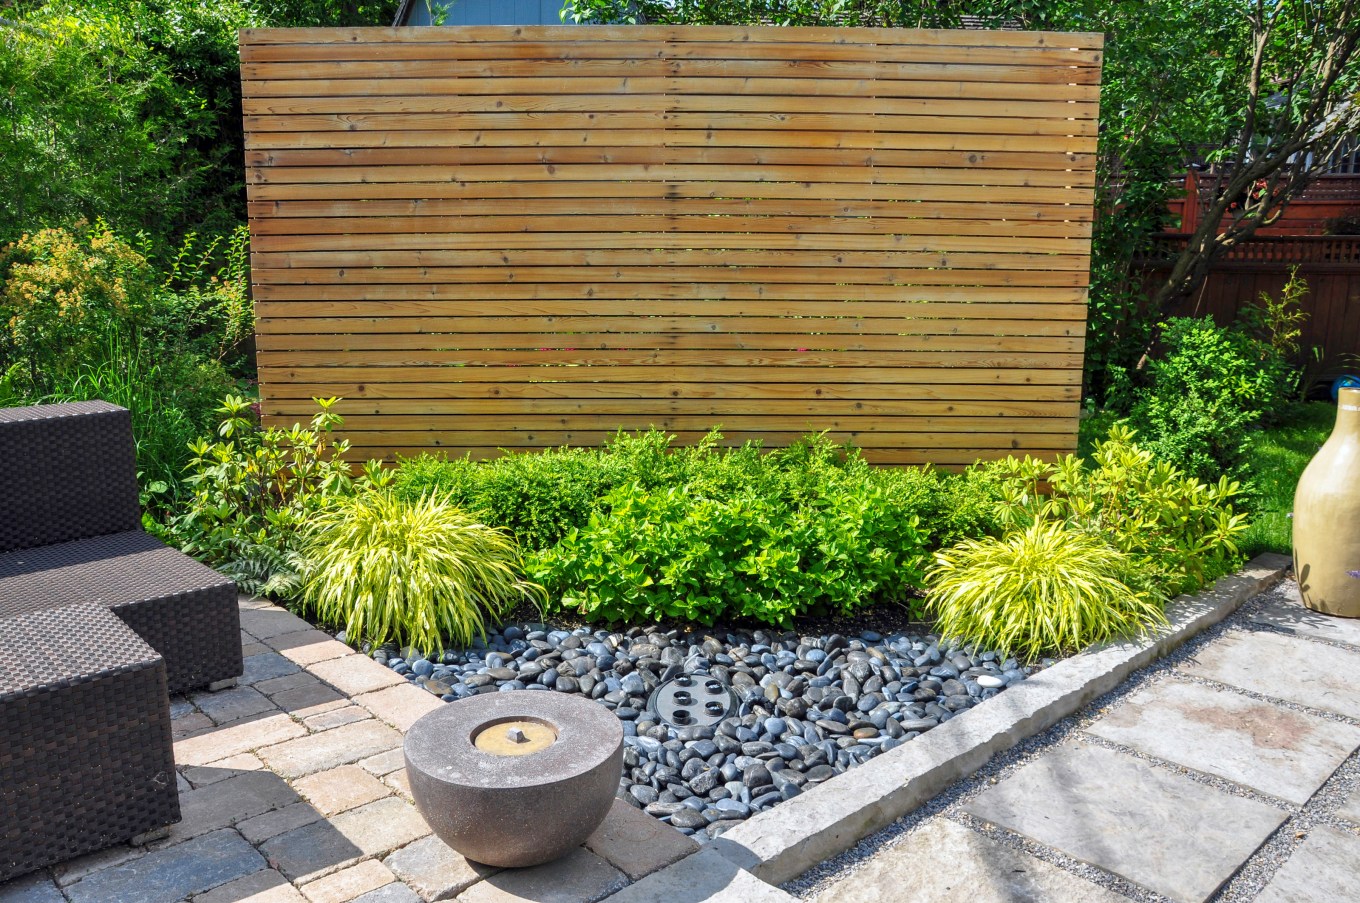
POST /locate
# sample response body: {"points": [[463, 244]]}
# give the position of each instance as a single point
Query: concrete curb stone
{"points": [[779, 845]]}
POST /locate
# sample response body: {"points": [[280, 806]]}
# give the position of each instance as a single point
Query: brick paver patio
{"points": [[293, 790]]}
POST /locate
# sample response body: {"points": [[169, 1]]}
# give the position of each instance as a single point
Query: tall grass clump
{"points": [[1043, 589], [420, 573]]}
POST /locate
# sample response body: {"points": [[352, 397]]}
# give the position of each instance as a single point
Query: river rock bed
{"points": [[811, 706]]}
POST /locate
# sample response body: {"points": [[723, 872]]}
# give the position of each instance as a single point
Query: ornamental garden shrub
{"points": [[419, 573], [1205, 395], [1179, 532], [807, 530], [1040, 589]]}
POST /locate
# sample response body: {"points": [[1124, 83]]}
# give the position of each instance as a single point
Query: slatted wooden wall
{"points": [[520, 237]]}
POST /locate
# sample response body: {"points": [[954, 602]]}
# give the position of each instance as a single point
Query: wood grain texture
{"points": [[507, 238]]}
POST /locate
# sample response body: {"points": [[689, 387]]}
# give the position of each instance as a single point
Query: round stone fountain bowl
{"points": [[517, 778]]}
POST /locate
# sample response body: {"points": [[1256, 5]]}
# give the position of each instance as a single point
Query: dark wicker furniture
{"points": [[85, 748], [70, 531]]}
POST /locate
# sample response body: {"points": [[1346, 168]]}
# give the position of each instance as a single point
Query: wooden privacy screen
{"points": [[520, 237]]}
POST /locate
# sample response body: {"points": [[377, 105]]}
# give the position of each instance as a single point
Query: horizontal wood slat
{"points": [[505, 238]]}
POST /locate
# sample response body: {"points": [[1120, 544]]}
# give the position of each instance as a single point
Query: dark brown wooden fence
{"points": [[520, 237], [1330, 265]]}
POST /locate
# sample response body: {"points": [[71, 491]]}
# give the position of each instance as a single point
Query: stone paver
{"points": [[224, 803], [266, 623], [328, 749], [169, 875], [400, 706], [33, 888], [435, 871], [1350, 809], [309, 699], [265, 886], [72, 870], [637, 844], [325, 846], [239, 737], [349, 883], [232, 705], [392, 893], [944, 860], [356, 674], [276, 685], [1284, 667], [342, 713], [578, 877], [341, 789], [1278, 751], [307, 647], [271, 824], [1326, 867], [265, 666], [1284, 609], [230, 767], [384, 763], [190, 725], [1155, 828], [706, 876]]}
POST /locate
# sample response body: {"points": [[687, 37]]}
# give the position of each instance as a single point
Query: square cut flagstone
{"points": [[1350, 809], [637, 844], [307, 647], [966, 866], [711, 877], [349, 883], [355, 674], [237, 737], [1284, 609], [171, 874], [224, 803], [326, 846], [329, 749], [1324, 868], [1284, 667], [340, 789], [400, 706], [1156, 828], [1273, 749], [233, 704], [578, 877], [434, 870]]}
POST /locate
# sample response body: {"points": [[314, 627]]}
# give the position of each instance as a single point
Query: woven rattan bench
{"points": [[86, 760], [70, 532]]}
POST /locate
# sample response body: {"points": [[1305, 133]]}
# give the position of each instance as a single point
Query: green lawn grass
{"points": [[1277, 456]]}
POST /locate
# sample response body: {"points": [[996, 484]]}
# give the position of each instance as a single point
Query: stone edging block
{"points": [[782, 843]]}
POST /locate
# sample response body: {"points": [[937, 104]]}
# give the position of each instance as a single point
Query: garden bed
{"points": [[811, 706]]}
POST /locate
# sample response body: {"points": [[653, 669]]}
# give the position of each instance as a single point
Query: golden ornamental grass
{"points": [[1043, 589], [417, 572]]}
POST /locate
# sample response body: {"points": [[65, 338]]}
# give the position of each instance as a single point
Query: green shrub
{"points": [[419, 573], [1179, 533], [254, 491], [1042, 589], [1206, 394], [677, 553]]}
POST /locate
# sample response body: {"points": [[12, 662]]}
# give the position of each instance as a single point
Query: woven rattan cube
{"points": [[70, 533], [86, 760]]}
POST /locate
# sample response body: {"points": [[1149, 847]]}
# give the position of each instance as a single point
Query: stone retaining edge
{"points": [[782, 843]]}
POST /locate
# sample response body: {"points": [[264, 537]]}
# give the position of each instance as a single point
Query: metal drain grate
{"points": [[690, 700]]}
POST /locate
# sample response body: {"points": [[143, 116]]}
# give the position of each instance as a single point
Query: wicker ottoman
{"points": [[86, 760]]}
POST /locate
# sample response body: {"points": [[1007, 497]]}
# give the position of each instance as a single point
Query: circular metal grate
{"points": [[689, 700]]}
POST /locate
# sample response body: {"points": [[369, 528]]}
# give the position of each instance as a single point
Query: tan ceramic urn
{"points": [[1327, 518]]}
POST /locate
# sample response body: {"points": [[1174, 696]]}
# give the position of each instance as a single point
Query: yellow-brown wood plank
{"points": [[884, 231]]}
